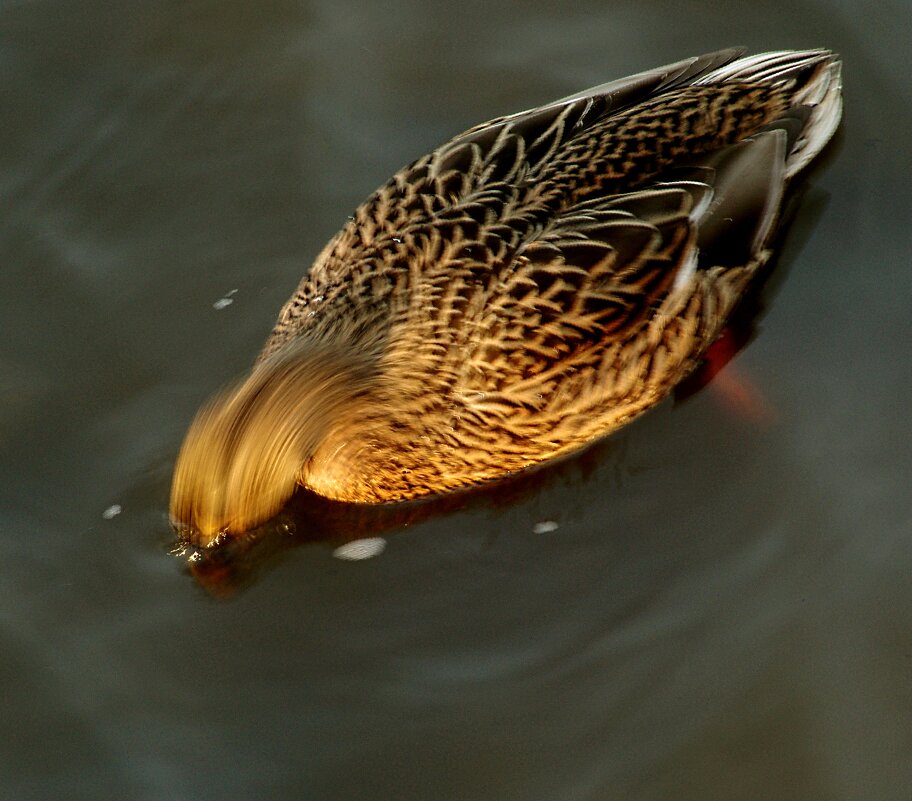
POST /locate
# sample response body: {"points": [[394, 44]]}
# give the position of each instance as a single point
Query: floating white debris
{"points": [[221, 303], [360, 549], [112, 511], [545, 527]]}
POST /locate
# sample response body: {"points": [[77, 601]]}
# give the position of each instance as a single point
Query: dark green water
{"points": [[725, 608]]}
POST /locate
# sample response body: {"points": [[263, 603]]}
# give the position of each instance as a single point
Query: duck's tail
{"points": [[813, 80]]}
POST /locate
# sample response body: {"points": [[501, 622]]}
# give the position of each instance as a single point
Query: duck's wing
{"points": [[644, 275], [491, 153], [504, 182]]}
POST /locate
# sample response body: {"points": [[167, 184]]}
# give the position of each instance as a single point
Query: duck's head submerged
{"points": [[242, 456]]}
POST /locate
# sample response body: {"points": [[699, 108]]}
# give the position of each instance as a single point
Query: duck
{"points": [[519, 292]]}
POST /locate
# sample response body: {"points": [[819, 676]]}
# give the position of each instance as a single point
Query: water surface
{"points": [[724, 609]]}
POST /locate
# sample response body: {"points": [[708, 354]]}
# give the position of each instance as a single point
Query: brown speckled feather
{"points": [[537, 281]]}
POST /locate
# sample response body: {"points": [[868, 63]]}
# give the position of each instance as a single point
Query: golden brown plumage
{"points": [[529, 286]]}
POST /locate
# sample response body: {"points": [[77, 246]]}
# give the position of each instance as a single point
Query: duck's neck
{"points": [[241, 458]]}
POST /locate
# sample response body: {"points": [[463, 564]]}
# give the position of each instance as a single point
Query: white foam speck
{"points": [[112, 511], [360, 549], [222, 303], [545, 527]]}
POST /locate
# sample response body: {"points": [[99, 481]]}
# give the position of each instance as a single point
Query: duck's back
{"points": [[536, 257], [544, 277]]}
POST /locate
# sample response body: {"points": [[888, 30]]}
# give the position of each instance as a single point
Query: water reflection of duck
{"points": [[529, 286]]}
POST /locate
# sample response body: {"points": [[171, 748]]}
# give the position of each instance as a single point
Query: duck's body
{"points": [[524, 289]]}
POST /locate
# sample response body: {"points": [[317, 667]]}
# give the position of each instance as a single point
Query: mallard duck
{"points": [[527, 287]]}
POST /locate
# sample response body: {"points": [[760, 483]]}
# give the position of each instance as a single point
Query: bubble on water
{"points": [[112, 511], [545, 526], [360, 549]]}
